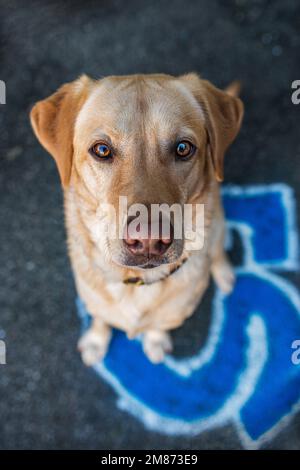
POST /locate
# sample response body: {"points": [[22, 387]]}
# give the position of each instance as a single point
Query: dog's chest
{"points": [[159, 305], [133, 304]]}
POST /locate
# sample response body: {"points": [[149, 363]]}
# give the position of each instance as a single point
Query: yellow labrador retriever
{"points": [[151, 139]]}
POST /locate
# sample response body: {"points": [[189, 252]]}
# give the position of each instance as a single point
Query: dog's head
{"points": [[152, 139]]}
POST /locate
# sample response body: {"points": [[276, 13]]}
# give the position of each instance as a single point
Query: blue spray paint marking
{"points": [[266, 214], [244, 373], [278, 387]]}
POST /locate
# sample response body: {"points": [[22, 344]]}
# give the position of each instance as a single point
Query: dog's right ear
{"points": [[53, 122]]}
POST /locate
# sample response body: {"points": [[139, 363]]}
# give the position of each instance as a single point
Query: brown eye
{"points": [[185, 149], [101, 151]]}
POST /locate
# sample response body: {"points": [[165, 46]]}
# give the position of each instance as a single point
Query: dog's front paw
{"points": [[93, 346], [223, 275], [156, 345]]}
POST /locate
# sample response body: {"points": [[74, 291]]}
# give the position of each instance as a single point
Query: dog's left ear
{"points": [[223, 112], [53, 122]]}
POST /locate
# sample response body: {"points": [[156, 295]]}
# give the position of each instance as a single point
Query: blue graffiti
{"points": [[264, 213], [244, 373], [265, 218]]}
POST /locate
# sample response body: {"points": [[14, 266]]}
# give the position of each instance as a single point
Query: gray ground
{"points": [[48, 398]]}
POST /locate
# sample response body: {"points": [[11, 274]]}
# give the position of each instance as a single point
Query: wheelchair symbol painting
{"points": [[244, 374]]}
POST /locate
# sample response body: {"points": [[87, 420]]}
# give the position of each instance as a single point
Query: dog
{"points": [[153, 139]]}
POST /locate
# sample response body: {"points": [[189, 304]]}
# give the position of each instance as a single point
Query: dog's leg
{"points": [[156, 344], [221, 268], [222, 273], [94, 343]]}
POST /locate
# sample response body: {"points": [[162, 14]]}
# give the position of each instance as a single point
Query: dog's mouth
{"points": [[151, 265], [143, 263]]}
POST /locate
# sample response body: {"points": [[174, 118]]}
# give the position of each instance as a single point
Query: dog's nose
{"points": [[140, 242]]}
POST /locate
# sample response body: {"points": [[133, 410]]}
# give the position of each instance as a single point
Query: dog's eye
{"points": [[185, 149], [101, 151]]}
